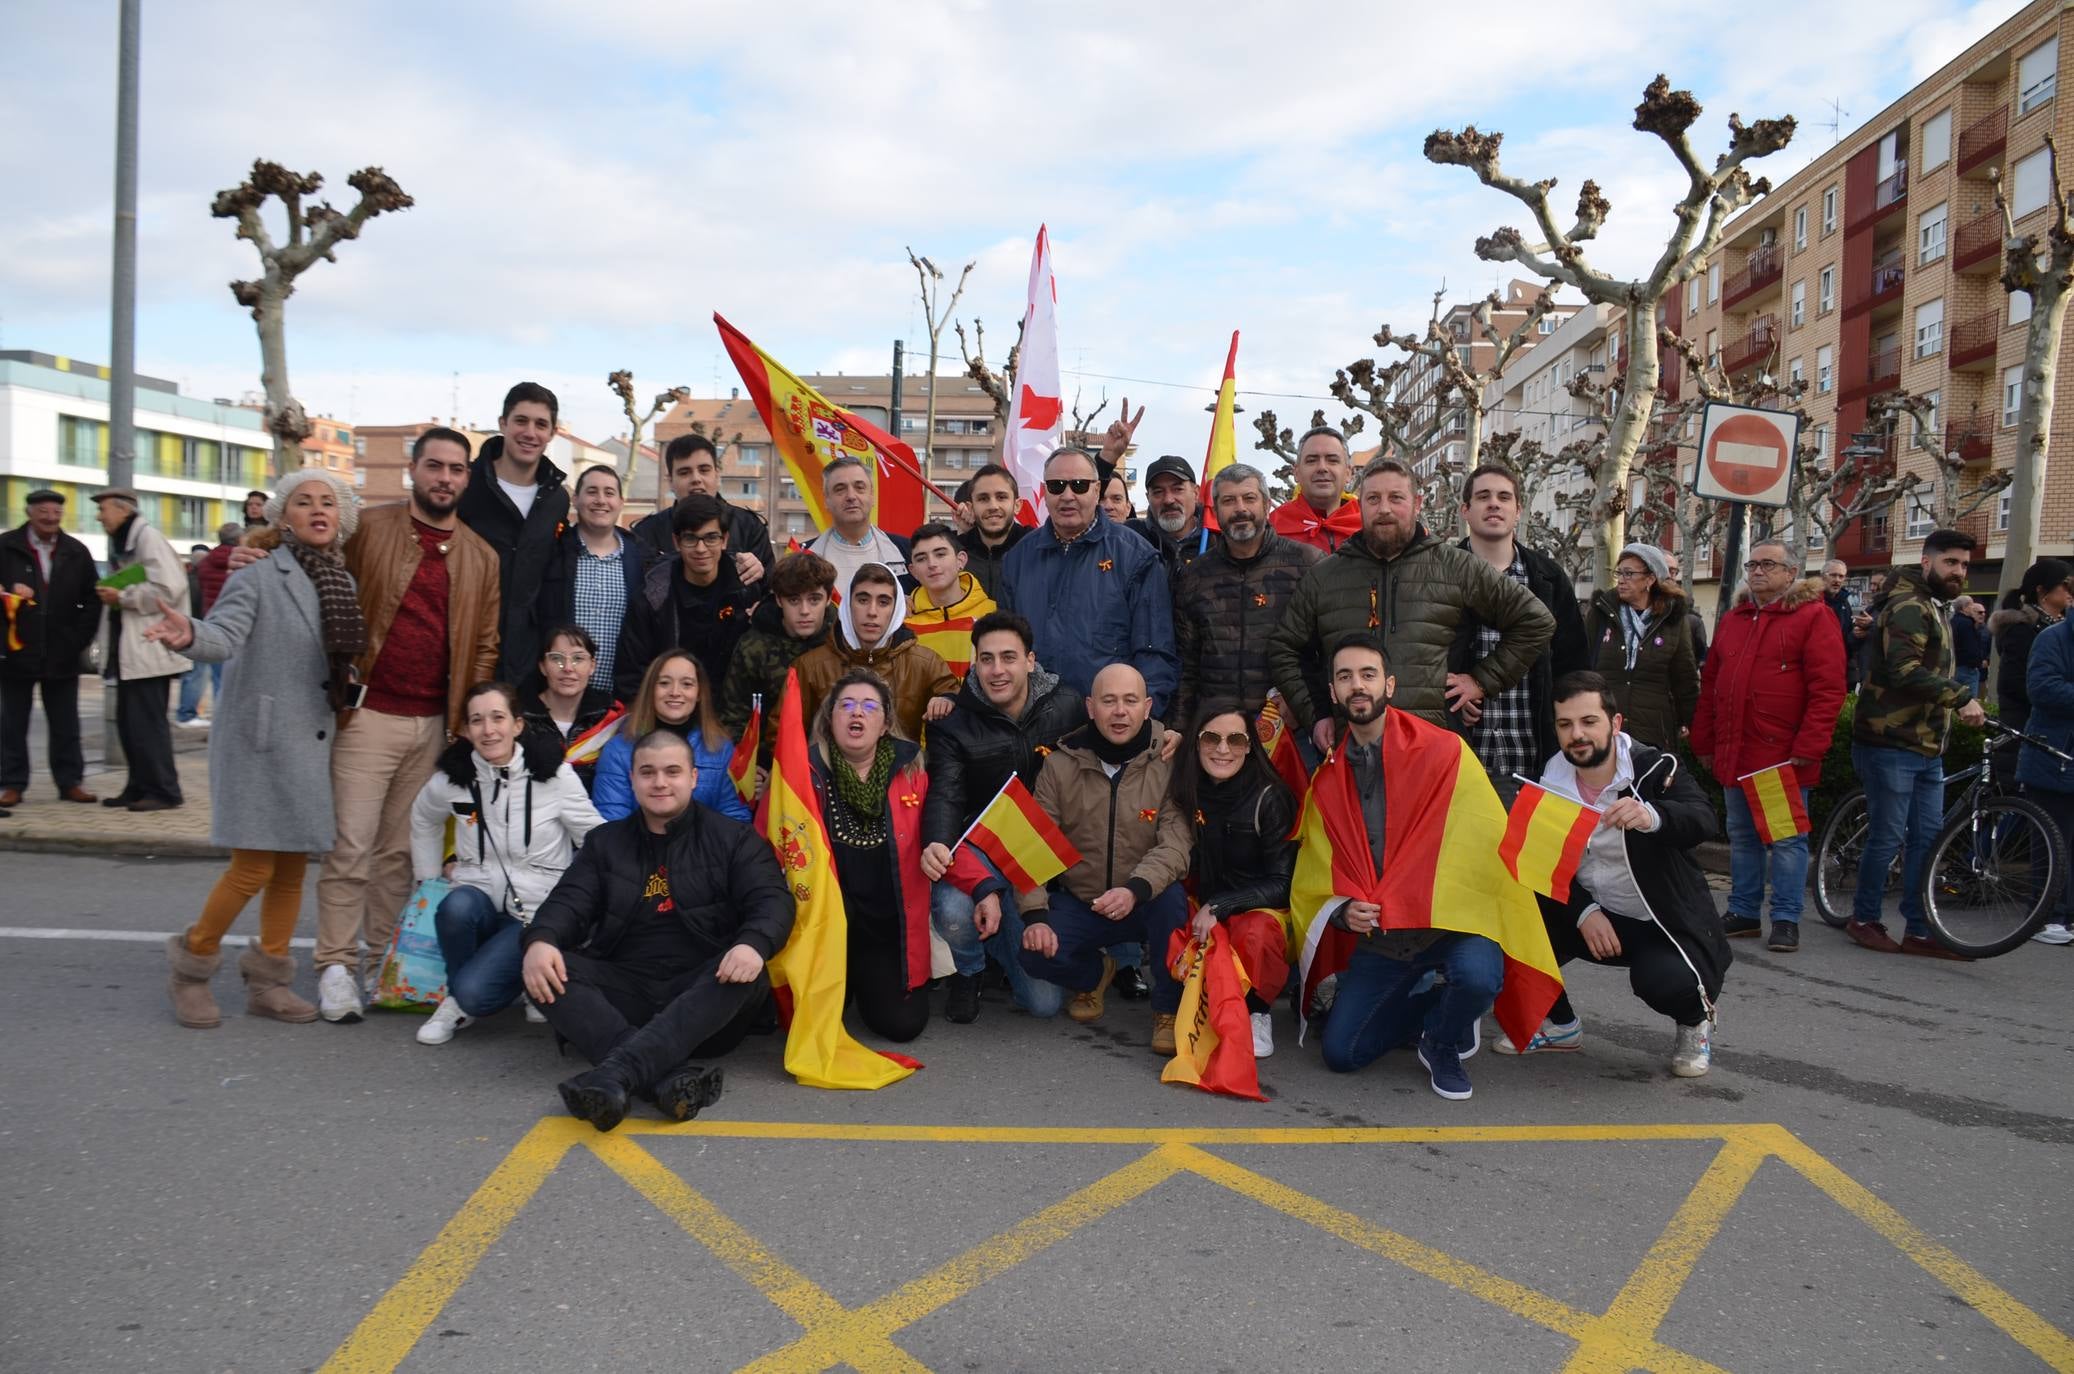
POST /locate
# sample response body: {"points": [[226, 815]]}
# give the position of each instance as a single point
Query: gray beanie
{"points": [[1650, 557], [348, 502]]}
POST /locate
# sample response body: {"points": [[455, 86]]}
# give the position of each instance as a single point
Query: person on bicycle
{"points": [[2049, 781], [1898, 736], [1769, 694]]}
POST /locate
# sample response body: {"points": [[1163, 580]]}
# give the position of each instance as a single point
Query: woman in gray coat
{"points": [[289, 626]]}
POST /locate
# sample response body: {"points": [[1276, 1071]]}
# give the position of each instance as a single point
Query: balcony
{"points": [[1764, 268], [1887, 196], [1882, 285], [1756, 345], [1982, 141], [1970, 441], [1978, 247], [1973, 341], [1883, 368]]}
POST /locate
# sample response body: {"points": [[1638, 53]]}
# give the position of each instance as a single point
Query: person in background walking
{"points": [[1970, 643], [1638, 631], [142, 669], [2049, 697], [205, 580], [2035, 605], [290, 627], [54, 620]]}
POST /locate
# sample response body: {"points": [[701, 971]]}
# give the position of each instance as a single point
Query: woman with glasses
{"points": [[561, 696], [1242, 817], [672, 696], [1638, 634]]}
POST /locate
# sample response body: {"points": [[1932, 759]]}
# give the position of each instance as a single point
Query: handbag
{"points": [[414, 971]]}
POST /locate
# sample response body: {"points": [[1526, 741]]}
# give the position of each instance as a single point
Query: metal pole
{"points": [[1731, 564], [899, 359], [122, 304]]}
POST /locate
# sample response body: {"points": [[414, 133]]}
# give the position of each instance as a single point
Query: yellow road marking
{"points": [[1163, 1135]]}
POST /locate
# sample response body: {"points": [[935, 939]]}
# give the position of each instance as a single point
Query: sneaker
{"points": [[1693, 1052], [1551, 1038], [1471, 1042], [338, 998], [1131, 985], [1323, 995], [1785, 937], [961, 999], [440, 1026], [1873, 936], [2055, 933], [1741, 927], [1263, 1035], [534, 1016], [1444, 1070], [1929, 949], [1087, 1006], [196, 724], [1163, 1041]]}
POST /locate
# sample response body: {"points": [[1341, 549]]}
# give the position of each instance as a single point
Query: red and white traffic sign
{"points": [[1746, 454]]}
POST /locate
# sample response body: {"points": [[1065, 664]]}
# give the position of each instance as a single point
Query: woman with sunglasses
{"points": [[1242, 816]]}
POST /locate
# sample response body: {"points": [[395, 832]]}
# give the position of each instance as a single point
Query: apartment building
{"points": [[1418, 386], [382, 454], [330, 446]]}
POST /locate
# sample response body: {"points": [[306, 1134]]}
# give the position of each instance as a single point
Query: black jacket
{"points": [[1243, 853], [1970, 643], [652, 625], [1224, 610], [1668, 876], [985, 563], [57, 627], [556, 602], [523, 545], [1840, 604], [1174, 553], [597, 704], [2015, 631], [974, 749], [724, 882], [1568, 652], [746, 533]]}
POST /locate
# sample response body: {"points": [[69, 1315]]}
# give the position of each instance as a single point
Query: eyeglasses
{"points": [[1765, 565], [1211, 739], [712, 540], [1626, 574], [578, 659], [858, 706], [1080, 486]]}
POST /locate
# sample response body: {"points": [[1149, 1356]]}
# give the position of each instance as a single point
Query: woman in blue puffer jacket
{"points": [[671, 697]]}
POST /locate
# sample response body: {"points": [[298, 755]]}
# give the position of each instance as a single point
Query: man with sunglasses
{"points": [[1094, 592], [694, 599]]}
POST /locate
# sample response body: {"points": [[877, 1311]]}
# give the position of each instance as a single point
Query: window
{"points": [[1829, 210], [1825, 369], [1796, 372], [2030, 184], [82, 443], [1800, 304], [1930, 329], [2037, 76], [1930, 234], [1800, 228], [1934, 144], [1692, 297], [1713, 282], [1936, 402], [1821, 444], [1545, 325], [1876, 532], [2019, 306], [1713, 348], [2012, 395], [1825, 291], [1919, 522], [2002, 510]]}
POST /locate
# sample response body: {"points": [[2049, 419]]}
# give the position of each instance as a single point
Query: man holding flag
{"points": [[1769, 697], [1638, 900]]}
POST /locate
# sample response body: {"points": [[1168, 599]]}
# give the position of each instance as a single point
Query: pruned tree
{"points": [[931, 278], [314, 233], [1283, 444], [1946, 497], [1713, 195], [1080, 427], [2041, 264], [622, 386], [1370, 387], [995, 384]]}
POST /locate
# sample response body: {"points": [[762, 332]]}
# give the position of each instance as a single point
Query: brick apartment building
{"points": [[1417, 385]]}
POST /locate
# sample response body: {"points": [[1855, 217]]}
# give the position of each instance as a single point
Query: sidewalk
{"points": [[42, 824]]}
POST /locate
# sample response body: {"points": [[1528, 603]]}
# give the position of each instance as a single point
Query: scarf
{"points": [[338, 610], [861, 818], [1637, 625], [1117, 755]]}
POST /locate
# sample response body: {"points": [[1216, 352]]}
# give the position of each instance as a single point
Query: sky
{"points": [[594, 181]]}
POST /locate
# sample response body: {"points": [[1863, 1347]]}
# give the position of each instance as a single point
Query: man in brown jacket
{"points": [[870, 633], [1105, 786]]}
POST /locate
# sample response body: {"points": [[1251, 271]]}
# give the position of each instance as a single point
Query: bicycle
{"points": [[1996, 867]]}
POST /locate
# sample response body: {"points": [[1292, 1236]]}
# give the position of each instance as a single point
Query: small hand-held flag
{"points": [[1775, 805], [14, 604], [1224, 444], [1024, 843], [741, 769], [1282, 751], [586, 747], [1545, 836]]}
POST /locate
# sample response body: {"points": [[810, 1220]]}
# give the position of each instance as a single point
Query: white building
{"points": [[195, 459]]}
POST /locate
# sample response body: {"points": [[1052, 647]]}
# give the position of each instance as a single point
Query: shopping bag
{"points": [[414, 971], [1213, 1034]]}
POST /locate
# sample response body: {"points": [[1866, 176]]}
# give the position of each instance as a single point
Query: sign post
{"points": [[1746, 459]]}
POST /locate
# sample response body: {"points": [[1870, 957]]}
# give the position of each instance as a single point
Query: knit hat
{"points": [[1650, 557], [348, 503]]}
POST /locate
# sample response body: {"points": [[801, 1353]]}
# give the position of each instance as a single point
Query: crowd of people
{"points": [[510, 690]]}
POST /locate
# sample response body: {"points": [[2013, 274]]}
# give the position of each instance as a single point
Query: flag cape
{"points": [[1545, 838], [1283, 752], [13, 604], [1775, 804], [1213, 1034], [741, 767], [586, 747], [950, 638], [1035, 405], [1297, 520], [1440, 870], [814, 965], [1024, 843], [1224, 444]]}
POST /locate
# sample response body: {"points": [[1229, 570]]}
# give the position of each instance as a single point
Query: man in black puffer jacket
{"points": [[1228, 601], [650, 951]]}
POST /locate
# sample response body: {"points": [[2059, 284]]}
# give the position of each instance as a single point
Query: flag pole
{"points": [[983, 811]]}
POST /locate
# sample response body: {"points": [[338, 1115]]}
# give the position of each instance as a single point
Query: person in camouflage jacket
{"points": [[800, 587]]}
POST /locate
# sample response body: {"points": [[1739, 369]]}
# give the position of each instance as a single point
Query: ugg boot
{"points": [[269, 986], [193, 1006]]}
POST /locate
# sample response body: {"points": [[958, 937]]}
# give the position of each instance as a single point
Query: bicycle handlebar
{"points": [[1996, 727]]}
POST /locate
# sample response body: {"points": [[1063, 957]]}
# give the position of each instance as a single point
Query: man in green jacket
{"points": [[1413, 589]]}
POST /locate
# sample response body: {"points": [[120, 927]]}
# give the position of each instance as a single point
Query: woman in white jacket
{"points": [[519, 811]]}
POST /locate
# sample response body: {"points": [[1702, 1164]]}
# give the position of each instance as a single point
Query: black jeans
{"points": [[1656, 967], [652, 1024], [878, 984], [147, 739], [61, 717]]}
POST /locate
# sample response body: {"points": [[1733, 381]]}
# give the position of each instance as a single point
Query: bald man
{"points": [[1106, 785]]}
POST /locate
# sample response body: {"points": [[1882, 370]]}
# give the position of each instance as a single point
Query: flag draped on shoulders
{"points": [[1442, 829]]}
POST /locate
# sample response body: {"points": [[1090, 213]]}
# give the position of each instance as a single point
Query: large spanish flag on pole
{"points": [[1775, 805], [1545, 838], [814, 965], [1224, 441], [1440, 869]]}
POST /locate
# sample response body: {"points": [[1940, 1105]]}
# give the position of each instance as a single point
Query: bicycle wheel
{"points": [[1995, 873], [1837, 851]]}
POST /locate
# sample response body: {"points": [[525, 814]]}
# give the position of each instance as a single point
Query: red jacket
{"points": [[1296, 520], [1772, 686], [211, 573]]}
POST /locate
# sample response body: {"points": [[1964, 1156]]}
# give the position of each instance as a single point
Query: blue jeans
{"points": [[481, 947], [950, 912], [191, 688], [1083, 936], [1375, 1010], [1968, 678], [1904, 804], [1748, 857]]}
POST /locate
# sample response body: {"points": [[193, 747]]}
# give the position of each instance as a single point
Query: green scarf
{"points": [[866, 796]]}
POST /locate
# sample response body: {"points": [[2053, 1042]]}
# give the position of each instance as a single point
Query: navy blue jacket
{"points": [[1099, 600], [556, 602], [1970, 642], [2049, 682]]}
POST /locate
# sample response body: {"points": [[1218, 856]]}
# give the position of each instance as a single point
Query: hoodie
{"points": [[911, 669]]}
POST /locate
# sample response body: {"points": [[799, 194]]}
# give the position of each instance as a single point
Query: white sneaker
{"points": [[198, 723], [1551, 1037], [1263, 1035], [440, 1026], [534, 1016], [338, 997], [2056, 933], [1693, 1052]]}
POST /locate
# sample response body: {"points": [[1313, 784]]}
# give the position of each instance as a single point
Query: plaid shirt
{"points": [[601, 603], [1504, 737]]}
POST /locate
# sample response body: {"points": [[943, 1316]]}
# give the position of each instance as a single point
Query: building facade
{"points": [[1444, 425]]}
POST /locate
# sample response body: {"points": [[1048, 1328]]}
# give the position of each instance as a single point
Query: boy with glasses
{"points": [[695, 600]]}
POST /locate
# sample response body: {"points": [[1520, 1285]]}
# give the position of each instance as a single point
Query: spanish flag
{"points": [[741, 767], [1024, 843], [814, 965], [948, 629], [586, 747], [1775, 804], [1213, 1035], [1443, 827], [13, 604], [1224, 444], [1282, 751], [1545, 839]]}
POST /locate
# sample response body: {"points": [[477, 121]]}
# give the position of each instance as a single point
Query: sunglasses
{"points": [[1058, 486], [1236, 741]]}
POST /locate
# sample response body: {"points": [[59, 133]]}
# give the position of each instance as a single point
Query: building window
{"points": [[2019, 306], [1713, 348], [1829, 210], [1800, 229], [1825, 291], [1936, 405], [1930, 329], [1800, 304], [2030, 184], [1713, 282], [2037, 76], [1692, 297], [1545, 325], [1934, 143], [1825, 369], [2002, 511], [1876, 533], [1919, 522], [81, 443], [1821, 444], [2012, 395], [1795, 372], [1930, 235]]}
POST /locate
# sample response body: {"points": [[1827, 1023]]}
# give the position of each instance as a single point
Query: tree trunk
{"points": [[929, 420], [273, 377], [2034, 426], [1630, 422]]}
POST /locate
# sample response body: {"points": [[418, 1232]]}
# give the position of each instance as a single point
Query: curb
{"points": [[120, 848]]}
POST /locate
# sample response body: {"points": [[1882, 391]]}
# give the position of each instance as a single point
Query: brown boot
{"points": [[269, 986], [193, 1006]]}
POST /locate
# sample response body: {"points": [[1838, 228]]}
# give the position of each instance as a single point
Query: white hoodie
{"points": [[491, 851]]}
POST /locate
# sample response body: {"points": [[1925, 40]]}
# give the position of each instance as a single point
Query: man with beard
{"points": [[1172, 522], [994, 527], [1898, 734], [1638, 900], [1322, 514], [1227, 601]]}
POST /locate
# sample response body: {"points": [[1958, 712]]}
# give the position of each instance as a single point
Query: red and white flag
{"points": [[1035, 407]]}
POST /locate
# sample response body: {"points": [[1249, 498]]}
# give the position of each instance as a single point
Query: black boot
{"points": [[961, 999], [598, 1096], [684, 1091], [1130, 984]]}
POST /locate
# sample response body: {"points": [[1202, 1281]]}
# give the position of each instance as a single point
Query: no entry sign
{"points": [[1746, 454]]}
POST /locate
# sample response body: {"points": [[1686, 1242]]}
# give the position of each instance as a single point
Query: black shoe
{"points": [[1130, 985], [682, 1093], [1785, 937], [599, 1097], [1735, 927], [153, 804], [122, 799], [961, 1000]]}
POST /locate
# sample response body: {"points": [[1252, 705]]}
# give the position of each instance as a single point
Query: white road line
{"points": [[139, 937]]}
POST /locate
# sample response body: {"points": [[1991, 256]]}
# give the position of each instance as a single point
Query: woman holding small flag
{"points": [[560, 697], [672, 696]]}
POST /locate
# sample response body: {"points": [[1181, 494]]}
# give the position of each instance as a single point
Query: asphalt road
{"points": [[244, 1198]]}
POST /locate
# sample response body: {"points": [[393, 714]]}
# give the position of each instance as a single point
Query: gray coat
{"points": [[270, 743]]}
